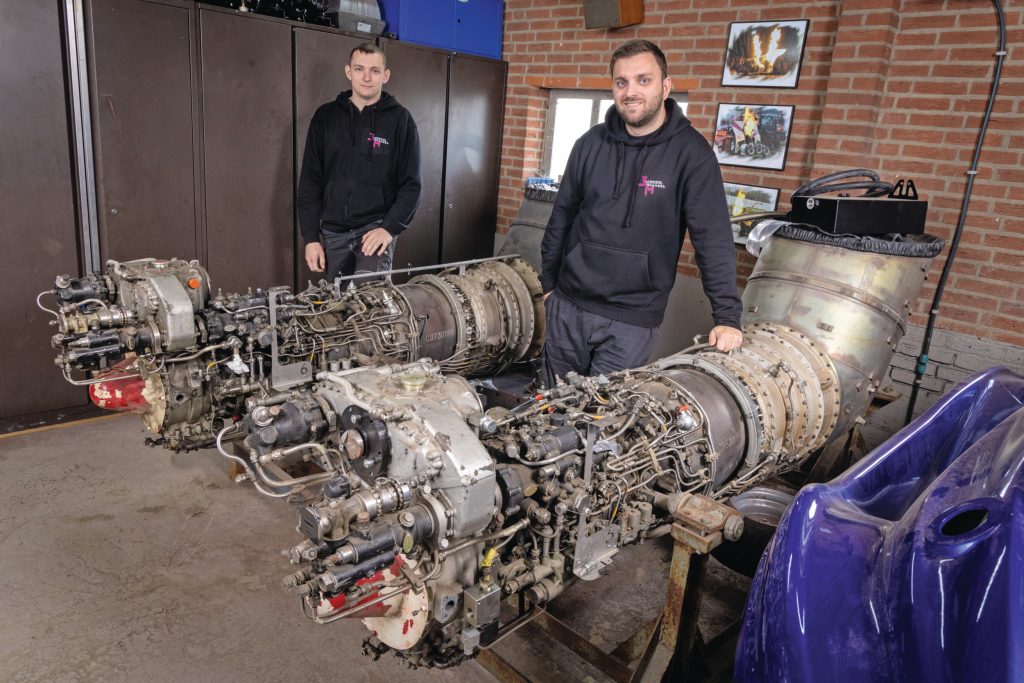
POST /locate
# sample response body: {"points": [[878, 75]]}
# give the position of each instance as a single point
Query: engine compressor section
{"points": [[430, 508], [149, 336]]}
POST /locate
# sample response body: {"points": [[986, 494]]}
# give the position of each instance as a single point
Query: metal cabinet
{"points": [[145, 110], [419, 81], [476, 100], [38, 239], [247, 149], [320, 59]]}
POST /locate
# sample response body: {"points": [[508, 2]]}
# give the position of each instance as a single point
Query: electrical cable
{"points": [[933, 313]]}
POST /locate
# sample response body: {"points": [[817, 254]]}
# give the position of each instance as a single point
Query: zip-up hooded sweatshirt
{"points": [[613, 240], [359, 167]]}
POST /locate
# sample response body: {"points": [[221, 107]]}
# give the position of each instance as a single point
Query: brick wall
{"points": [[953, 358], [894, 85]]}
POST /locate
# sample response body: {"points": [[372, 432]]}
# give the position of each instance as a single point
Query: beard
{"points": [[641, 117]]}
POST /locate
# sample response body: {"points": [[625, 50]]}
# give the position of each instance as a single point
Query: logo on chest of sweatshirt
{"points": [[650, 185], [377, 142]]}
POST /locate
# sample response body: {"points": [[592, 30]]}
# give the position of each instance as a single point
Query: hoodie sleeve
{"points": [[407, 196], [310, 198], [567, 204], [706, 215]]}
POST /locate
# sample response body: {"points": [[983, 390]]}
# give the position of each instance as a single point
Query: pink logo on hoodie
{"points": [[377, 142], [650, 186]]}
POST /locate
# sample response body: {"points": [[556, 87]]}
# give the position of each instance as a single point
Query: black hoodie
{"points": [[359, 167], [612, 243]]}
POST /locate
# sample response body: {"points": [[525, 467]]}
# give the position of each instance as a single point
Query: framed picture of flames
{"points": [[764, 54], [753, 135]]}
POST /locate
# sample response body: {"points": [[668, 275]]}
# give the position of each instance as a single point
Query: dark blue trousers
{"points": [[590, 344]]}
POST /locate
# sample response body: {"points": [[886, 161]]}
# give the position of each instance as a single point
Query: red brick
{"points": [[1008, 260], [956, 313], [924, 103], [1002, 274], [983, 18], [1011, 308], [968, 301], [1003, 241], [952, 70], [940, 87], [1015, 325]]}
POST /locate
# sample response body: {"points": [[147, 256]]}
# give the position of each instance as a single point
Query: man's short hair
{"points": [[638, 47], [369, 49]]}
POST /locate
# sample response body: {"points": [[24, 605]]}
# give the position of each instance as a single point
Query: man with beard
{"points": [[631, 189]]}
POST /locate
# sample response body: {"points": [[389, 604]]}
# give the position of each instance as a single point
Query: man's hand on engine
{"points": [[315, 257], [725, 338], [376, 242]]}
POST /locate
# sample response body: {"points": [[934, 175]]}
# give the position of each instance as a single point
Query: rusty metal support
{"points": [[664, 645], [499, 667], [586, 650], [634, 647], [670, 651]]}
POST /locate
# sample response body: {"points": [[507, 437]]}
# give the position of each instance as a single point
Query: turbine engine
{"points": [[147, 336], [428, 508]]}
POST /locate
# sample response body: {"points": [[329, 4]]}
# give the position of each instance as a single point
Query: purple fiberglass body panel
{"points": [[909, 566]]}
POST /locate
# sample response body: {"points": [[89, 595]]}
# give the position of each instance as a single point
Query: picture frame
{"points": [[753, 135], [764, 54], [746, 200]]}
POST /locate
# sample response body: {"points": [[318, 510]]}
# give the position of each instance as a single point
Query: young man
{"points": [[631, 188], [360, 180]]}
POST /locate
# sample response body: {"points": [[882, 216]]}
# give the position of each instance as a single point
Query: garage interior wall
{"points": [[890, 85]]}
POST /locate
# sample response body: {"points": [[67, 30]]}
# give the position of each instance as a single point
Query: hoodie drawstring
{"points": [[632, 190], [619, 161], [373, 127]]}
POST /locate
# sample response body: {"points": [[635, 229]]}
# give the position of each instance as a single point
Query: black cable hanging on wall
{"points": [[922, 359]]}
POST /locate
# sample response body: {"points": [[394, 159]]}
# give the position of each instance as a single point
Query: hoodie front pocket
{"points": [[366, 200], [619, 276]]}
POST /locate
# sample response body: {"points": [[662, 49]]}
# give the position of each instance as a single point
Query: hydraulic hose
{"points": [[874, 186]]}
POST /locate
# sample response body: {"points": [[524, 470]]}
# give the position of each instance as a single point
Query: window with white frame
{"points": [[571, 113]]}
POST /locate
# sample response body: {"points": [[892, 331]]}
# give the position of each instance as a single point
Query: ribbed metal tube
{"points": [[853, 305]]}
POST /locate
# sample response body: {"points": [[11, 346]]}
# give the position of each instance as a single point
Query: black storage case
{"points": [[861, 215]]}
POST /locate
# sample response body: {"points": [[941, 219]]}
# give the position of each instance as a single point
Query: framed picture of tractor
{"points": [[764, 54], [753, 135]]}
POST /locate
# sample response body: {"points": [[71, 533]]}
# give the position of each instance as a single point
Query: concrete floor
{"points": [[123, 563]]}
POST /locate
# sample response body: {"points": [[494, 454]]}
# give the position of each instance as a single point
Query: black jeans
{"points": [[344, 254]]}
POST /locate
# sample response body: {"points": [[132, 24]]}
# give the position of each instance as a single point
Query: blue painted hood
{"points": [[909, 566]]}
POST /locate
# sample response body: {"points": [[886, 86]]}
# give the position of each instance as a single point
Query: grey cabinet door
{"points": [[247, 150], [419, 80], [144, 108], [476, 98], [38, 239], [320, 59]]}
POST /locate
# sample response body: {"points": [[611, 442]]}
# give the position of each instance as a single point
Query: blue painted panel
{"points": [[430, 22], [468, 26], [478, 27]]}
